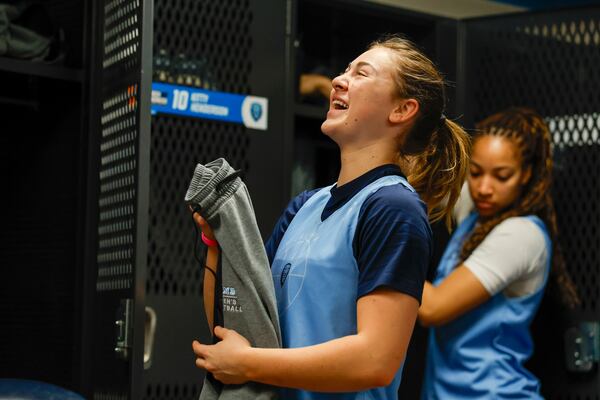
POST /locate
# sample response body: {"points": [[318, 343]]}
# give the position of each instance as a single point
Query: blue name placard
{"points": [[250, 111]]}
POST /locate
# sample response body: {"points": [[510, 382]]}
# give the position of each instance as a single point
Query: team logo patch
{"points": [[256, 111], [284, 273]]}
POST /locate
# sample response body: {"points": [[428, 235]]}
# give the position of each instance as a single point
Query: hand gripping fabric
{"points": [[244, 293]]}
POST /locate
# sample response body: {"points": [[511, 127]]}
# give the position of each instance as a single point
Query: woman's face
{"points": [[496, 175], [362, 98]]}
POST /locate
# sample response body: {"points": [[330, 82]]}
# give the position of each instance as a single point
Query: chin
{"points": [[327, 129], [486, 212]]}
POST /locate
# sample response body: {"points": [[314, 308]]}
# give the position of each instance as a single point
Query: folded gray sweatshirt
{"points": [[244, 293]]}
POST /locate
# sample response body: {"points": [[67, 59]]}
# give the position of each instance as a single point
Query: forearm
{"points": [[438, 308], [457, 294], [370, 358], [428, 312], [350, 363], [212, 258]]}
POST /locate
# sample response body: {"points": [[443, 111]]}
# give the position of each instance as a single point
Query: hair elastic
{"points": [[209, 242]]}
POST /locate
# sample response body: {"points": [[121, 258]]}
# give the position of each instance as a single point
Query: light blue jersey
{"points": [[316, 280], [480, 354]]}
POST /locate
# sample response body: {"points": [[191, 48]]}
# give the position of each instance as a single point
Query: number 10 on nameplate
{"points": [[250, 111]]}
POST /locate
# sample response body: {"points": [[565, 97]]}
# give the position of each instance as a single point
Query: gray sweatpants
{"points": [[245, 297]]}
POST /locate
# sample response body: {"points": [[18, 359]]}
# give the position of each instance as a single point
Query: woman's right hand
{"points": [[201, 222]]}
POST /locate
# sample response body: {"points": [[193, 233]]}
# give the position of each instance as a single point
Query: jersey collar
{"points": [[342, 194]]}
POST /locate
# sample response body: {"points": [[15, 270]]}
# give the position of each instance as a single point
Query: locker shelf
{"points": [[40, 69]]}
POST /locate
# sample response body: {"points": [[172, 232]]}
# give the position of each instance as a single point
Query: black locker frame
{"points": [[117, 218], [548, 61]]}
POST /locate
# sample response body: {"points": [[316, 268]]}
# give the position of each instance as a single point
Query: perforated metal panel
{"points": [[173, 391], [216, 32], [123, 98], [577, 158], [117, 190], [109, 396], [118, 147], [549, 62], [178, 144], [199, 29]]}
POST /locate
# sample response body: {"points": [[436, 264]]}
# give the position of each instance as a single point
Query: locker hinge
{"points": [[582, 346], [123, 328]]}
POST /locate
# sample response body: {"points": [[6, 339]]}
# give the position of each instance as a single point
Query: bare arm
{"points": [[368, 359], [460, 292], [311, 83], [212, 258]]}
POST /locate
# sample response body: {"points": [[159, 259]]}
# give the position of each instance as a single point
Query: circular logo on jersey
{"points": [[289, 278], [294, 281]]}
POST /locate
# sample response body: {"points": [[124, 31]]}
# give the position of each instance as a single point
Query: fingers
{"points": [[199, 220], [201, 363], [196, 215], [199, 349], [220, 332]]}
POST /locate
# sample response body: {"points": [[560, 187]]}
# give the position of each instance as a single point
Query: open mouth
{"points": [[339, 105]]}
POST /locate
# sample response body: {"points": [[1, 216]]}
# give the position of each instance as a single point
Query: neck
{"points": [[357, 161]]}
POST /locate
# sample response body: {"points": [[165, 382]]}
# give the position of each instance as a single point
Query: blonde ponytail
{"points": [[439, 171]]}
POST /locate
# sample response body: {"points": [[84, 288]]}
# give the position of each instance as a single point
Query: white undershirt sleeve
{"points": [[512, 258], [464, 205]]}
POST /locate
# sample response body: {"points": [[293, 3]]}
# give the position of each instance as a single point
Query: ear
{"points": [[404, 111], [526, 175]]}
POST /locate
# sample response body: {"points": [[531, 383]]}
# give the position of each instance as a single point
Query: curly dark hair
{"points": [[530, 133]]}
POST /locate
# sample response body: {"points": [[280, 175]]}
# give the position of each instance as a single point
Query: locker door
{"points": [[549, 61], [119, 158], [228, 46]]}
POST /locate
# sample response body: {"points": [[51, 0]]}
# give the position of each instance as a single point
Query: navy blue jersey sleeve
{"points": [[284, 221], [393, 242]]}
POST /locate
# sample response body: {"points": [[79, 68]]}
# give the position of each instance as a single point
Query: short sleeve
{"points": [[284, 221], [392, 242], [514, 254]]}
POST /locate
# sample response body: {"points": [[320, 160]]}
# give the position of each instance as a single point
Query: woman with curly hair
{"points": [[492, 276]]}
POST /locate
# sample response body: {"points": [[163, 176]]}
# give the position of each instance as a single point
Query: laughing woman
{"points": [[349, 260]]}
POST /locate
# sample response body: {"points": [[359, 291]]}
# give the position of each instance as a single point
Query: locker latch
{"points": [[123, 328], [582, 345]]}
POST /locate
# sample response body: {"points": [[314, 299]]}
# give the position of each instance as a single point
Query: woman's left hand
{"points": [[224, 359], [201, 222]]}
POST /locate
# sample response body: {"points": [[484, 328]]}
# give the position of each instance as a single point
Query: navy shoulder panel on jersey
{"points": [[393, 242]]}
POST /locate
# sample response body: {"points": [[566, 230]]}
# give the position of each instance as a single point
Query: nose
{"points": [[485, 186], [340, 82]]}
